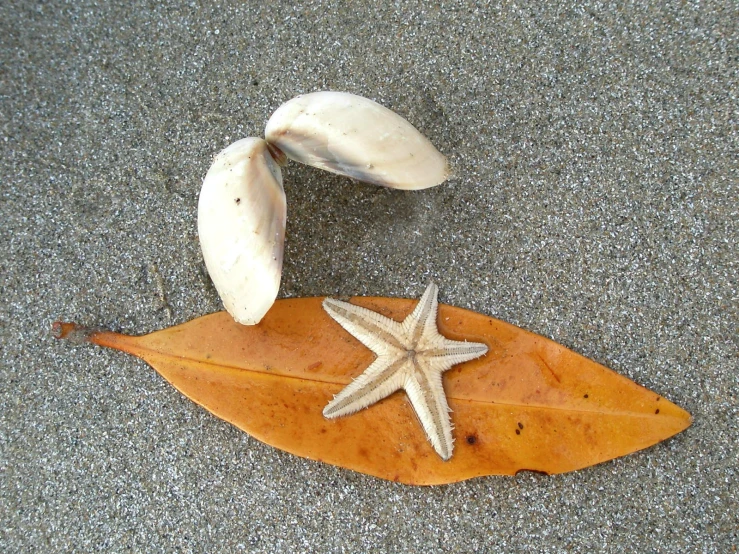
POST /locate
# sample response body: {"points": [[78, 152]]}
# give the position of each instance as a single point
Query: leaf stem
{"points": [[71, 332]]}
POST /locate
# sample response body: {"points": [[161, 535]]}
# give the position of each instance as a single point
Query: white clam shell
{"points": [[356, 137], [241, 224]]}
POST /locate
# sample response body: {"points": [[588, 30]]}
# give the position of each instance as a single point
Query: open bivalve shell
{"points": [[356, 137], [242, 213], [241, 224]]}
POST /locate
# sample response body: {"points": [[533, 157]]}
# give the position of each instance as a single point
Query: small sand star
{"points": [[411, 355]]}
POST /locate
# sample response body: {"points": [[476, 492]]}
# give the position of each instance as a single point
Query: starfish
{"points": [[411, 355]]}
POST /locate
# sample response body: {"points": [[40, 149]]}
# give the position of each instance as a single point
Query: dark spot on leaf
{"points": [[518, 431], [520, 425], [656, 411], [471, 439], [538, 472]]}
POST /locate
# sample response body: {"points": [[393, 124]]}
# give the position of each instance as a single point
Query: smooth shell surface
{"points": [[241, 224], [356, 137]]}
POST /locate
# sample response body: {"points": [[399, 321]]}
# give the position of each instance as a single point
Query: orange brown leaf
{"points": [[529, 404]]}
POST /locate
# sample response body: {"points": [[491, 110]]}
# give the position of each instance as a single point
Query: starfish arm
{"points": [[451, 352], [380, 334], [426, 393], [420, 325], [382, 378]]}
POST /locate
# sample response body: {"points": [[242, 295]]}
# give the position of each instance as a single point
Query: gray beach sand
{"points": [[594, 201]]}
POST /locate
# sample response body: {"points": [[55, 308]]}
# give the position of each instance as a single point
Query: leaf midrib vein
{"points": [[457, 399]]}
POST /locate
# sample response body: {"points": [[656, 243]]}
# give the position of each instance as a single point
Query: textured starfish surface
{"points": [[411, 355]]}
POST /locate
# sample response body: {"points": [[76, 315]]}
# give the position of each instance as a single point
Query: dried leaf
{"points": [[529, 404]]}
